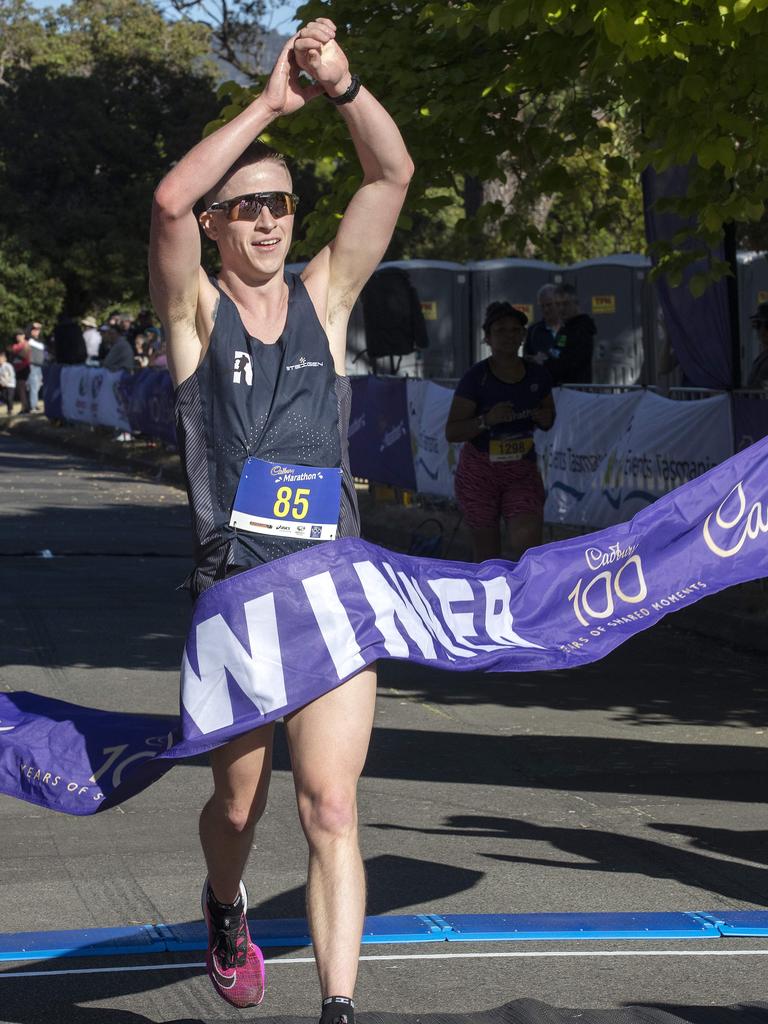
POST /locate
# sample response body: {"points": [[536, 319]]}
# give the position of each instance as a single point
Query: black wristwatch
{"points": [[346, 97]]}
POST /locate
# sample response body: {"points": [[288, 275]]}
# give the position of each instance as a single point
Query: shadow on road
{"points": [[657, 678], [745, 844], [698, 771], [612, 852]]}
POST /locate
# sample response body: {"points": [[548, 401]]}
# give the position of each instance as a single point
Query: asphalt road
{"points": [[637, 783]]}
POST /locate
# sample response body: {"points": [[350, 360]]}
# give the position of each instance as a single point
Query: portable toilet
{"points": [[614, 291], [506, 280]]}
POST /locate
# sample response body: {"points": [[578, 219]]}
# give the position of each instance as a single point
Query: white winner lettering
{"points": [[221, 656], [445, 617]]}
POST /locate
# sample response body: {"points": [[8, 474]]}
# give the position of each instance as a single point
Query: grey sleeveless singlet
{"points": [[281, 403]]}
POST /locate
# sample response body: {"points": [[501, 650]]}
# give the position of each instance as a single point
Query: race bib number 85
{"points": [[289, 501]]}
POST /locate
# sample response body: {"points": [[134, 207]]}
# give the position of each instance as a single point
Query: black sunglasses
{"points": [[248, 207], [757, 323]]}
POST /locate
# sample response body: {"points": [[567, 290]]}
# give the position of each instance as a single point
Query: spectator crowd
{"points": [[122, 342]]}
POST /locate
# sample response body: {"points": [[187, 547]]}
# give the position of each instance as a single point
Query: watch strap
{"points": [[346, 97]]}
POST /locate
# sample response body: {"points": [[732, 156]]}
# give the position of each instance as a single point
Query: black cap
{"points": [[498, 310]]}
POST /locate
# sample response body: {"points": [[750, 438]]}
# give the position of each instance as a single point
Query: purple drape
{"points": [[699, 329], [379, 432]]}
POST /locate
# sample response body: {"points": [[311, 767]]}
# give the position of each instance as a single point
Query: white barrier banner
{"points": [[434, 459], [76, 398], [90, 395], [608, 456], [571, 453], [111, 406]]}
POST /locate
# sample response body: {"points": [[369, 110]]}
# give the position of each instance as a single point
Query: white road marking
{"points": [[276, 961]]}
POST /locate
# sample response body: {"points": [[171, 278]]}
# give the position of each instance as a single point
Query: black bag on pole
{"points": [[394, 322]]}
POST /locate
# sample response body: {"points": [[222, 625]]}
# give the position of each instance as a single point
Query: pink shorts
{"points": [[487, 490]]}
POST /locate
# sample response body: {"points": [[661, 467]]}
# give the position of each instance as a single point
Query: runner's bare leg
{"points": [[328, 740], [241, 772]]}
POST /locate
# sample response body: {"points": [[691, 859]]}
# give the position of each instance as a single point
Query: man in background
{"points": [[19, 353], [119, 354], [570, 356], [92, 339], [541, 335], [36, 347]]}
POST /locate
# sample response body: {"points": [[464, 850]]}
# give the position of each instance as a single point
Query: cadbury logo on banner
{"points": [[736, 525]]}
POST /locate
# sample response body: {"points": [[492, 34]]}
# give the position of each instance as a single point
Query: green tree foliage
{"points": [[29, 290], [601, 213], [96, 100], [530, 95]]}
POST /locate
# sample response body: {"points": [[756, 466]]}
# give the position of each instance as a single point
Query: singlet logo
{"points": [[242, 368], [302, 364]]}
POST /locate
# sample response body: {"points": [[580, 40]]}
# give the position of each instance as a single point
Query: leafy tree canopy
{"points": [[545, 97], [29, 290], [96, 100]]}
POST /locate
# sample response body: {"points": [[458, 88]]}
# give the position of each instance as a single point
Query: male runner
{"points": [[258, 360]]}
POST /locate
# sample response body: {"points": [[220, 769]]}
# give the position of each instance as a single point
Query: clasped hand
{"points": [[502, 412], [315, 51]]}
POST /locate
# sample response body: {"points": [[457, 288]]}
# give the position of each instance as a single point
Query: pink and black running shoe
{"points": [[235, 964]]}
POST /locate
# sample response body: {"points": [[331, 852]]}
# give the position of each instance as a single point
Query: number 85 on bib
{"points": [[279, 499]]}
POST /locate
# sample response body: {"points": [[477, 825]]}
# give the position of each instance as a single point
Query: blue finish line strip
{"points": [[286, 933]]}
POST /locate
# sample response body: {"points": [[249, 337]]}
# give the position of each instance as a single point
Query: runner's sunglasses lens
{"points": [[279, 204]]}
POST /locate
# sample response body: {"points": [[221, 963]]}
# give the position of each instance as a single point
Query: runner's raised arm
{"points": [[342, 268], [181, 294]]}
